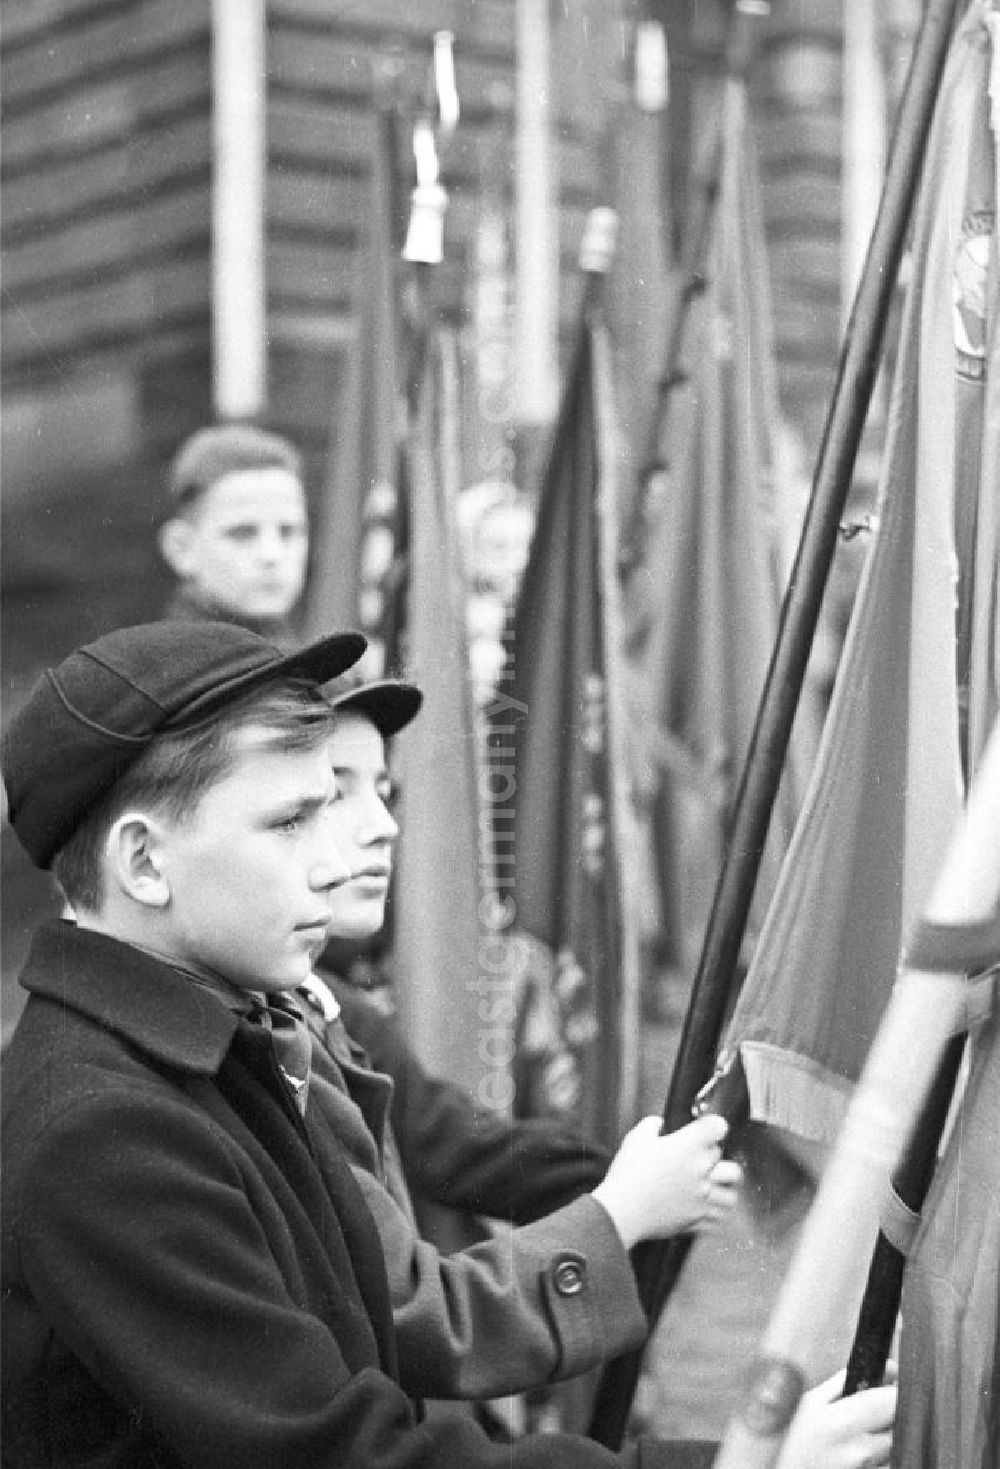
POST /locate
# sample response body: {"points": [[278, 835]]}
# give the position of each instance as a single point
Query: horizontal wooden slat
{"points": [[331, 63], [803, 201], [30, 18], [810, 265], [119, 175], [328, 134], [159, 296], [113, 42], [803, 22], [805, 326], [304, 388], [324, 201], [145, 350], [103, 113], [804, 74], [304, 270], [485, 23], [779, 132], [80, 252]]}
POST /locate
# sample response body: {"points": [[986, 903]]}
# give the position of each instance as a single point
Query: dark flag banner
{"points": [[889, 777], [455, 1022], [357, 575], [387, 563], [549, 779], [711, 578]]}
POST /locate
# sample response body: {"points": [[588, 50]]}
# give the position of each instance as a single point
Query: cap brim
{"points": [[317, 664], [389, 703]]}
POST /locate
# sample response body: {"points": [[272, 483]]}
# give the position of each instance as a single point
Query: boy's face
{"points": [[361, 826], [242, 549], [252, 871]]}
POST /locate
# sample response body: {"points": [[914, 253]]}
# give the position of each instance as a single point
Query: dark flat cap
{"points": [[88, 719], [390, 703], [226, 448]]}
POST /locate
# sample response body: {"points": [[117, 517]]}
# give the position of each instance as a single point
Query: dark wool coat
{"points": [[462, 1156], [187, 1278], [546, 1301]]}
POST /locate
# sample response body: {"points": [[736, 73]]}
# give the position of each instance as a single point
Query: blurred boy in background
{"points": [[236, 532]]}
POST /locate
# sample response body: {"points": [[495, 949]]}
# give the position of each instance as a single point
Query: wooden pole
{"points": [[658, 1267], [536, 238], [879, 1307], [239, 329]]}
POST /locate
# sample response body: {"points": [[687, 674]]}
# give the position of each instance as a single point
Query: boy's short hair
{"points": [[212, 453], [88, 720], [178, 766]]}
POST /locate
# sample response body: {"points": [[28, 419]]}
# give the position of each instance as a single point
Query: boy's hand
{"points": [[660, 1184], [831, 1432]]}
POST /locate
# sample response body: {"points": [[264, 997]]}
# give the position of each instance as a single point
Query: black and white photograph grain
{"points": [[500, 734]]}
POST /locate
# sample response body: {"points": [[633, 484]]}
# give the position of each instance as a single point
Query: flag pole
{"points": [[658, 1266], [880, 1303], [931, 1001], [596, 256]]}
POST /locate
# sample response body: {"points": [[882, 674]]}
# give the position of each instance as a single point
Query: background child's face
{"points": [[251, 872], [361, 825], [243, 548]]}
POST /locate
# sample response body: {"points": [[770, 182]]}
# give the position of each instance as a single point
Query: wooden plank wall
{"points": [[105, 156], [798, 106], [106, 177]]}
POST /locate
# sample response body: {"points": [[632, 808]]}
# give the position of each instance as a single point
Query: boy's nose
{"points": [[381, 827], [268, 546], [330, 868]]}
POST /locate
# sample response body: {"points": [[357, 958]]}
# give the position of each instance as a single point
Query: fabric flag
{"points": [[641, 292], [355, 578], [888, 781], [458, 1026], [949, 1361], [549, 774], [639, 286], [711, 581], [949, 1407]]}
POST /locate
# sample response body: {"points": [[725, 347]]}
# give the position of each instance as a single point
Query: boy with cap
{"points": [[236, 532], [236, 536], [190, 1272], [495, 1318], [237, 488]]}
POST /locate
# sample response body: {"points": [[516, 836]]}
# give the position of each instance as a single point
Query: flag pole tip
{"points": [[599, 239]]}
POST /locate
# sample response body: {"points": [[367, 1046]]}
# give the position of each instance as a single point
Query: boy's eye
{"points": [[241, 533], [288, 823]]}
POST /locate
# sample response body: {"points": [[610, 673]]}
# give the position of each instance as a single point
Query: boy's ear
{"points": [[176, 542], [134, 851]]}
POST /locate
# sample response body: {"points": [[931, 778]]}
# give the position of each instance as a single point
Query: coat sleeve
{"points": [[463, 1156], [532, 1306], [137, 1239]]}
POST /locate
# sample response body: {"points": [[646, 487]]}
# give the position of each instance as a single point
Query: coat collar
{"points": [[145, 1000]]}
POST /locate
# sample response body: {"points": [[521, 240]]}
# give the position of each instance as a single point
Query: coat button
{"points": [[568, 1277]]}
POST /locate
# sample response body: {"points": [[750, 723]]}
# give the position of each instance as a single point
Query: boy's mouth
{"points": [[317, 925], [374, 871]]}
